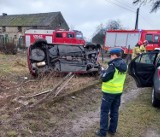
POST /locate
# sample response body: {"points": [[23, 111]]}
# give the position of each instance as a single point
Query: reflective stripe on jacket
{"points": [[115, 85]]}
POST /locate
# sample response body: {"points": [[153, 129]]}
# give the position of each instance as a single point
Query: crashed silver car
{"points": [[44, 57]]}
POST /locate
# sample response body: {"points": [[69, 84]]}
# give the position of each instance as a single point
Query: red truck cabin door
{"points": [[152, 36]]}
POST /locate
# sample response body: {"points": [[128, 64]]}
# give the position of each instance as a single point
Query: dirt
{"points": [[86, 120], [68, 117], [151, 133], [15, 82]]}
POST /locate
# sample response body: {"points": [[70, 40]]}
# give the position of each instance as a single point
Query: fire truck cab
{"points": [[127, 39], [54, 37]]}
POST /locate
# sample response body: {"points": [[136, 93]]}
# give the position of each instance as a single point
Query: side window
{"points": [[149, 38], [69, 35], [3, 29], [79, 35], [58, 35], [138, 59], [158, 62], [146, 58], [156, 37]]}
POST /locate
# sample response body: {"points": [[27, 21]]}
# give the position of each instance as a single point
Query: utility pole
{"points": [[137, 17]]}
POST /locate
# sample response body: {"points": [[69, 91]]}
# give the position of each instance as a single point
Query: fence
{"points": [[10, 45]]}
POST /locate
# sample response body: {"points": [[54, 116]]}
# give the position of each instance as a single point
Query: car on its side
{"points": [[62, 58], [145, 69]]}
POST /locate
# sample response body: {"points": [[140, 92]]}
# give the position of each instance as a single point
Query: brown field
{"points": [[75, 113]]}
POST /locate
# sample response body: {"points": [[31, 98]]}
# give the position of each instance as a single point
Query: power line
{"points": [[146, 20], [120, 6], [124, 4]]}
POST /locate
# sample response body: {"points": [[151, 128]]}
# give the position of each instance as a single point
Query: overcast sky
{"points": [[86, 15]]}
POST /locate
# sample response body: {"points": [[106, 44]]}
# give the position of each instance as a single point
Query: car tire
{"points": [[155, 101]]}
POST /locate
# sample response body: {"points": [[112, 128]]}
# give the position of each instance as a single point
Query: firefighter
{"points": [[143, 46], [136, 50], [113, 79]]}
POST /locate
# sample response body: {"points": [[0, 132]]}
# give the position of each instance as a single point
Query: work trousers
{"points": [[109, 108]]}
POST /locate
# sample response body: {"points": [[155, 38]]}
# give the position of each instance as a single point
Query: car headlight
{"points": [[41, 64]]}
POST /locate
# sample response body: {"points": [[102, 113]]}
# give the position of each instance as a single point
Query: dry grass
{"points": [[13, 65], [15, 81]]}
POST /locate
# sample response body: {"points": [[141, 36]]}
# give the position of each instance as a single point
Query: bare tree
{"points": [[99, 34], [113, 25], [155, 4]]}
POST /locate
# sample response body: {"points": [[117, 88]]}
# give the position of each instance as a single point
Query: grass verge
{"points": [[137, 119]]}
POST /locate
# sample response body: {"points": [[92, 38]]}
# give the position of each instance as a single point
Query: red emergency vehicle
{"points": [[54, 37], [128, 39]]}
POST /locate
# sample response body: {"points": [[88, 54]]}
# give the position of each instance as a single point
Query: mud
{"points": [[87, 120], [69, 117], [151, 133]]}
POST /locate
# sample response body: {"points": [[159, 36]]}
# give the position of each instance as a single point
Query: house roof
{"points": [[27, 20]]}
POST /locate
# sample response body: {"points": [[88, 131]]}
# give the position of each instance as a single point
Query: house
{"points": [[18, 24]]}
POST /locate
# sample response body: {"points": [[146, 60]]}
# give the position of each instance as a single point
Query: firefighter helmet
{"points": [[145, 41], [140, 42]]}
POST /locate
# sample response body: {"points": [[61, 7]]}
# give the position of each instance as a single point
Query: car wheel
{"points": [[32, 72], [155, 101]]}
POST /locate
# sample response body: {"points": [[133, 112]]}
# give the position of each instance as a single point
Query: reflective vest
{"points": [[136, 51], [115, 85], [142, 48]]}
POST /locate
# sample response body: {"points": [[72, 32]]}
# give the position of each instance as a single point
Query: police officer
{"points": [[113, 79]]}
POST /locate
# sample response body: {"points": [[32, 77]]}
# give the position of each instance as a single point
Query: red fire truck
{"points": [[129, 38], [54, 36]]}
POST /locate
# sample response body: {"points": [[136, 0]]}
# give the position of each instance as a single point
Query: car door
{"points": [[142, 69]]}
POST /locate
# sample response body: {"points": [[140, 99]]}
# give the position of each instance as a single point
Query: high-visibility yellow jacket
{"points": [[115, 85], [142, 48], [135, 52]]}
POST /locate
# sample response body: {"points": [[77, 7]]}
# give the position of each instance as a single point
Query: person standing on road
{"points": [[113, 79], [143, 46], [136, 50]]}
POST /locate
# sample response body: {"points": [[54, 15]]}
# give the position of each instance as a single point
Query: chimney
{"points": [[4, 14]]}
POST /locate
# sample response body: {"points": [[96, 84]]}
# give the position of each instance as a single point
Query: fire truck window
{"points": [[156, 37], [149, 38], [79, 36], [58, 35], [70, 35]]}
